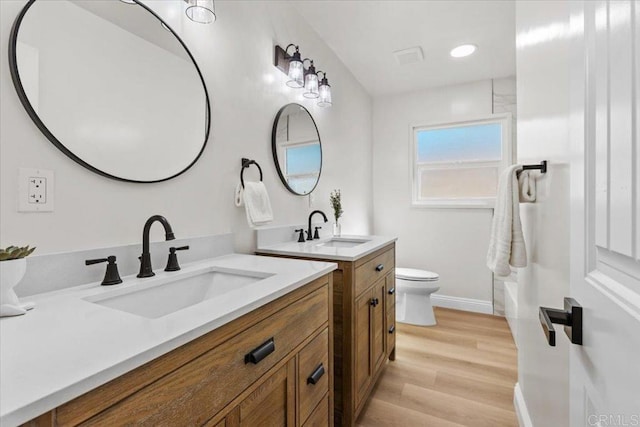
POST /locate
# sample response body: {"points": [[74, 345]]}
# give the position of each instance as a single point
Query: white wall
{"points": [[543, 102], [235, 55], [451, 242]]}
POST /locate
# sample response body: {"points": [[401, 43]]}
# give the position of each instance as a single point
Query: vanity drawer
{"points": [[198, 390], [391, 330], [369, 272], [390, 291], [320, 416], [313, 373]]}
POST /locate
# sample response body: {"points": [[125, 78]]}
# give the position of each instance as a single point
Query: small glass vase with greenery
{"points": [[336, 205]]}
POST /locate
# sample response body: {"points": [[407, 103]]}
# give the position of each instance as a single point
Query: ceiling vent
{"points": [[409, 56]]}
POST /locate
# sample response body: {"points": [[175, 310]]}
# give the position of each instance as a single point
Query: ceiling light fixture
{"points": [[128, 1], [463, 50], [201, 11], [300, 77]]}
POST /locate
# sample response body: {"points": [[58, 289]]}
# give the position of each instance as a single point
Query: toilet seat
{"points": [[415, 275]]}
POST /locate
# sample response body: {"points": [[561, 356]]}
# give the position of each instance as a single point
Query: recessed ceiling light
{"points": [[463, 50]]}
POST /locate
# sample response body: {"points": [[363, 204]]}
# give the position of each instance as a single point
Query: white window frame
{"points": [[474, 203], [283, 152]]}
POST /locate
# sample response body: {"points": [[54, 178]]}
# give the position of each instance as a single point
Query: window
{"points": [[302, 166], [458, 164]]}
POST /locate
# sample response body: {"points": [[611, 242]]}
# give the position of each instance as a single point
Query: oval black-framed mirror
{"points": [[297, 149], [112, 86]]}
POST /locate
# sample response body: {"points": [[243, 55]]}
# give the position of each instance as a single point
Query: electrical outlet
{"points": [[35, 190]]}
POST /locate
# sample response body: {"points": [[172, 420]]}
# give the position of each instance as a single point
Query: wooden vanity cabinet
{"points": [[270, 367], [364, 328]]}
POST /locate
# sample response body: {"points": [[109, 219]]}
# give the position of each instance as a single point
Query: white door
{"points": [[605, 212]]}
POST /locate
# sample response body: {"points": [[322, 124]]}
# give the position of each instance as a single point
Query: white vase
{"points": [[11, 273]]}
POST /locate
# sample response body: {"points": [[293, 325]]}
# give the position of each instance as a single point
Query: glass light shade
{"points": [[311, 86], [296, 72], [201, 11], [325, 95]]}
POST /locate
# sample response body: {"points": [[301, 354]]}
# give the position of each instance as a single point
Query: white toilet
{"points": [[413, 296]]}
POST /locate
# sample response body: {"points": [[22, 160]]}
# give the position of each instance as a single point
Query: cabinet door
{"points": [[271, 404], [378, 315], [362, 348]]}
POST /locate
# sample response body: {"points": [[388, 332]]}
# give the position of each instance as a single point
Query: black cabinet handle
{"points": [[380, 267], [260, 352], [392, 291], [392, 329], [374, 302], [316, 375], [570, 317]]}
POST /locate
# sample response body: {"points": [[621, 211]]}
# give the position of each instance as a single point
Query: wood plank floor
{"points": [[458, 373]]}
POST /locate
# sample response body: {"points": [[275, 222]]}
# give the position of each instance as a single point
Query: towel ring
{"points": [[245, 164]]}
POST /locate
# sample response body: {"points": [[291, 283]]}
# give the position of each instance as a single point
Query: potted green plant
{"points": [[336, 204], [13, 266]]}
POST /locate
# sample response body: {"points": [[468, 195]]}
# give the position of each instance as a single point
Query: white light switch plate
{"points": [[35, 190]]}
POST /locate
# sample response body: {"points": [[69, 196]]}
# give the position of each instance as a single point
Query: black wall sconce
{"points": [[303, 78]]}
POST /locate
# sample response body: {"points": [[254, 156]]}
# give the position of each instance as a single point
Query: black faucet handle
{"points": [[316, 235], [172, 262], [301, 235], [111, 277], [96, 261]]}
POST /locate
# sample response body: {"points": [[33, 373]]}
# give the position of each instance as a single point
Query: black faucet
{"points": [[309, 232], [145, 258]]}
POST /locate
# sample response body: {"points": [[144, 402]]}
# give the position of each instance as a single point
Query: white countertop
{"points": [[67, 346], [315, 249]]}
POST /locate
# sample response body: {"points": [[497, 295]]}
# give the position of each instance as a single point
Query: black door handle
{"points": [[392, 329], [316, 375], [392, 291], [570, 317], [260, 352], [380, 267]]}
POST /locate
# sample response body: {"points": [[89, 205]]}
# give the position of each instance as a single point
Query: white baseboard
{"points": [[524, 420], [466, 304]]}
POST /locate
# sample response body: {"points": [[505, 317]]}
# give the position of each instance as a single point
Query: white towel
{"points": [[257, 204], [506, 245], [527, 186], [238, 196]]}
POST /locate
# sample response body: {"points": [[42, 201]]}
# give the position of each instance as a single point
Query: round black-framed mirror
{"points": [[297, 149], [112, 86]]}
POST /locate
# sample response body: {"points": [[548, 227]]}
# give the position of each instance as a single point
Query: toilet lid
{"points": [[417, 275]]}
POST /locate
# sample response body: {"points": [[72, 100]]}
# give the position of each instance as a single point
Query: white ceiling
{"points": [[364, 34]]}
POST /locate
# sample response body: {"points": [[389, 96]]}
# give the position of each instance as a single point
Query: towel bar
{"points": [[245, 164], [542, 167]]}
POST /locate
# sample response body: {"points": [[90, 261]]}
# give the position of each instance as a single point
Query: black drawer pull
{"points": [[260, 352], [316, 375], [380, 267], [392, 291], [392, 329]]}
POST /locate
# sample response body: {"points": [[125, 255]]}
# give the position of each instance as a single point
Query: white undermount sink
{"points": [[172, 294], [338, 242]]}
